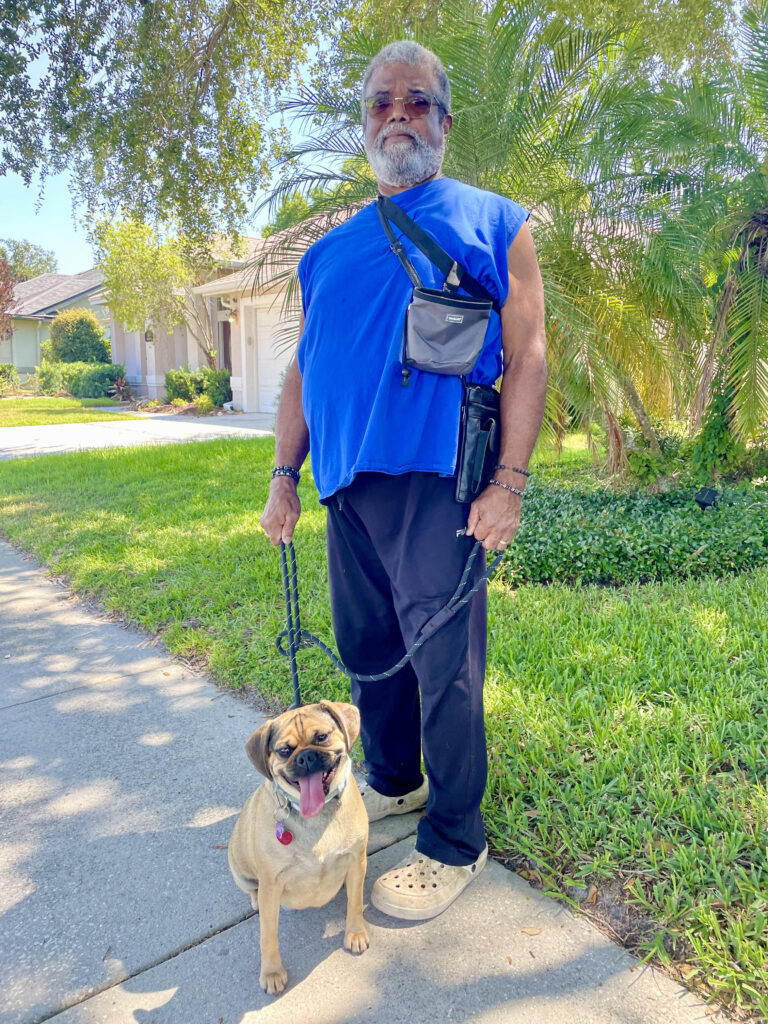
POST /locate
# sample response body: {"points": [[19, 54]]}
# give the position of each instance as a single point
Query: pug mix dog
{"points": [[304, 831]]}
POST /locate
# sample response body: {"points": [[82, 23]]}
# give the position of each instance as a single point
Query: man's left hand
{"points": [[494, 518]]}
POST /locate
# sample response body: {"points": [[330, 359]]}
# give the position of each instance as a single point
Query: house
{"points": [[243, 331], [38, 300], [251, 336]]}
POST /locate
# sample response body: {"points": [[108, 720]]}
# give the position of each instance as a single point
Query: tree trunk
{"points": [[635, 402], [708, 362]]}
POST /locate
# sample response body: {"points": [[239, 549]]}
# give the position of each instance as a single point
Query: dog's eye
{"points": [[284, 751], [321, 737]]}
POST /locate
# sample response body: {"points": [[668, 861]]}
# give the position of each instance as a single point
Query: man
{"points": [[384, 459]]}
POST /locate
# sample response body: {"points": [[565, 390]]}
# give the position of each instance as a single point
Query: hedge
{"points": [[83, 380], [598, 536]]}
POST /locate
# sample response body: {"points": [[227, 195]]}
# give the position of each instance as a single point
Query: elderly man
{"points": [[384, 460]]}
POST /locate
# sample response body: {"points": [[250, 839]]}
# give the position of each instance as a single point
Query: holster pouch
{"points": [[479, 440]]}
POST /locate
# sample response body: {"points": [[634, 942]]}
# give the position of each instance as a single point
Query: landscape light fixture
{"points": [[706, 497]]}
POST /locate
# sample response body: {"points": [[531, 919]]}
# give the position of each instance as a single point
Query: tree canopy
{"points": [[158, 108], [25, 259]]}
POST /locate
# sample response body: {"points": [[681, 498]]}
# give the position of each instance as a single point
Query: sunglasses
{"points": [[416, 104]]}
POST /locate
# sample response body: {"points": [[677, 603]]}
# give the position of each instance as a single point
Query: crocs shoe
{"points": [[379, 806], [420, 888]]}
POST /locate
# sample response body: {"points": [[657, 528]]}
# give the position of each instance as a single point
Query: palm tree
{"points": [[635, 187]]}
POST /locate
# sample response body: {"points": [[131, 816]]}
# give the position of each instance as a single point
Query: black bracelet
{"points": [[513, 469], [514, 490], [286, 471]]}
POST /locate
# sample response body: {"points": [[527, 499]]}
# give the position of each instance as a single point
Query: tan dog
{"points": [[304, 831]]}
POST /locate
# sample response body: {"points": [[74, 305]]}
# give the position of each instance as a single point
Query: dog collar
{"points": [[286, 802]]}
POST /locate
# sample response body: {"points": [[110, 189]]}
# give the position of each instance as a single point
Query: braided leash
{"points": [[298, 637]]}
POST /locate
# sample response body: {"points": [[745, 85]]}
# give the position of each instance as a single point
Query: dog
{"points": [[304, 832]]}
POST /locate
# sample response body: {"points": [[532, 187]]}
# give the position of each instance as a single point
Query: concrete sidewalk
{"points": [[121, 774], [22, 442]]}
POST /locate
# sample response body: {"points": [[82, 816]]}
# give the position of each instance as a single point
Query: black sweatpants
{"points": [[394, 560]]}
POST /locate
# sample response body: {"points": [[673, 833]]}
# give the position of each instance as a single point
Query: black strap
{"points": [[388, 210], [298, 637]]}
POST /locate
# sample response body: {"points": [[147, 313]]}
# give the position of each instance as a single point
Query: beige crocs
{"points": [[420, 888], [379, 806]]}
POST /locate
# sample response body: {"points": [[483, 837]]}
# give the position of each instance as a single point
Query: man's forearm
{"points": [[523, 394], [291, 433]]}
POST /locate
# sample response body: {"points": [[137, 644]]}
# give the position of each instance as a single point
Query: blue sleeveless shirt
{"points": [[355, 293]]}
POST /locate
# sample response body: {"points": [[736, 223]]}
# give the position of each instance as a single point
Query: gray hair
{"points": [[405, 51]]}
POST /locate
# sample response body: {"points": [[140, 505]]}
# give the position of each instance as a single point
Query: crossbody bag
{"points": [[444, 333]]}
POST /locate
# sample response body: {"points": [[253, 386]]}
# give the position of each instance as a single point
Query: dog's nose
{"points": [[309, 761]]}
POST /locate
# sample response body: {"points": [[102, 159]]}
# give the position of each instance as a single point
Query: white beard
{"points": [[404, 164]]}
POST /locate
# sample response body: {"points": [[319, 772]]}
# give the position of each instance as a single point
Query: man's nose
{"points": [[398, 112]]}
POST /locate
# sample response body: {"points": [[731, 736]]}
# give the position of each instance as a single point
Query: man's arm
{"points": [[495, 515], [283, 508]]}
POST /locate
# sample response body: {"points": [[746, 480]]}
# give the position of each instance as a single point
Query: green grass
{"points": [[627, 728], [37, 412]]}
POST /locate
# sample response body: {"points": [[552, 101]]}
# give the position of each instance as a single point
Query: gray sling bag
{"points": [[444, 332]]}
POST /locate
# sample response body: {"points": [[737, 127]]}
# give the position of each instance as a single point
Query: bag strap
{"points": [[455, 275]]}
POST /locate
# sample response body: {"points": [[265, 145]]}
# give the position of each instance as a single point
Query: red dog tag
{"points": [[282, 834]]}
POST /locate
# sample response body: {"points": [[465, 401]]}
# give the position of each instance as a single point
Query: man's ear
{"points": [[257, 749], [347, 717], [447, 124]]}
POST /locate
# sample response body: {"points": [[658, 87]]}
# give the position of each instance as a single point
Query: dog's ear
{"points": [[257, 748], [347, 718]]}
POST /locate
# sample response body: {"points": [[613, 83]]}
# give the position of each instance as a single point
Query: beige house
{"points": [[37, 301], [251, 324], [243, 329]]}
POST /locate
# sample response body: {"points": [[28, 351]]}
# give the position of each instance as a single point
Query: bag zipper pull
{"points": [[406, 377]]}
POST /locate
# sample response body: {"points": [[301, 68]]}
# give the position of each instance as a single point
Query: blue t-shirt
{"points": [[355, 294]]}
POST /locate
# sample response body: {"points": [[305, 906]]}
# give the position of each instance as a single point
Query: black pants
{"points": [[393, 560]]}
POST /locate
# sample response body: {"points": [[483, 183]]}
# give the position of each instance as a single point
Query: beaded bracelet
{"points": [[514, 490], [513, 469], [286, 471]]}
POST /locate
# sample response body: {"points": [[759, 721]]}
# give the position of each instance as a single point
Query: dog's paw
{"points": [[273, 982], [357, 942]]}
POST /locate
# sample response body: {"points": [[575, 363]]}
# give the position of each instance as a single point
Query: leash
{"points": [[298, 637]]}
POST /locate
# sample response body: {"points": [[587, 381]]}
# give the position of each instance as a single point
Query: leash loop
{"points": [[298, 637]]}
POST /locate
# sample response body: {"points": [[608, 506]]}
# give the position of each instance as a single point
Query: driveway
{"points": [[21, 442]]}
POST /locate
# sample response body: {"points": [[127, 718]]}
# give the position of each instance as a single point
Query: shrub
{"points": [[216, 384], [575, 536], [77, 337], [188, 384], [9, 378], [89, 380], [50, 377], [180, 384], [204, 405]]}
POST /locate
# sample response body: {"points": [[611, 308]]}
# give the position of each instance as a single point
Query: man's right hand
{"points": [[282, 511]]}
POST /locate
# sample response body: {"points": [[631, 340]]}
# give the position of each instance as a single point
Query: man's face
{"points": [[403, 150]]}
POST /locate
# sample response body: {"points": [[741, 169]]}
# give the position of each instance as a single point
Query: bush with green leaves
{"points": [[77, 337], [9, 378], [599, 536], [189, 384], [82, 380]]}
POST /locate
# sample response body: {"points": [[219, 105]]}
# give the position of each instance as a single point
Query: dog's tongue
{"points": [[312, 795]]}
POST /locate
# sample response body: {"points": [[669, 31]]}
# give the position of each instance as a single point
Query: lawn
{"points": [[627, 727], [39, 412]]}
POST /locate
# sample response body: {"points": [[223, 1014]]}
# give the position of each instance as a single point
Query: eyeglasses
{"points": [[416, 104]]}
